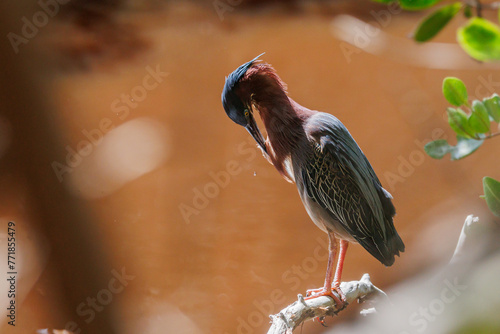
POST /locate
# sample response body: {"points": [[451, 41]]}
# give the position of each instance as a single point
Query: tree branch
{"points": [[300, 311], [470, 225]]}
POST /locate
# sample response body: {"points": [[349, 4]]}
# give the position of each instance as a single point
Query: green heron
{"points": [[337, 185]]}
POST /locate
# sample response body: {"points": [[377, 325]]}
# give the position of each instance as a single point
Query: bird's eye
{"points": [[246, 113]]}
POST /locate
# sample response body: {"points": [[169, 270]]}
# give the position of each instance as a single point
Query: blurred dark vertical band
{"points": [[77, 252]]}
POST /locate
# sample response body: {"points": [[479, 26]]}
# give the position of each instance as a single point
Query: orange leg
{"points": [[327, 288], [340, 263]]}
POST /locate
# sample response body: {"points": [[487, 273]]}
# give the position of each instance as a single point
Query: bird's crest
{"points": [[238, 74]]}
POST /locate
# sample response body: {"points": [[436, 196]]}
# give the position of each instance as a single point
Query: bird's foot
{"points": [[312, 292], [342, 297], [338, 296]]}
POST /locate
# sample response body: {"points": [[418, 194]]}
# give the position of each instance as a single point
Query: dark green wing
{"points": [[341, 180]]}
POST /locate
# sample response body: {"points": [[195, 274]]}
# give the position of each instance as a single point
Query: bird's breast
{"points": [[283, 163], [289, 168]]}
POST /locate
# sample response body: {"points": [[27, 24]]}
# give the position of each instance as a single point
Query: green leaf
{"points": [[492, 194], [464, 147], [433, 23], [454, 91], [458, 122], [417, 4], [479, 120], [480, 38], [492, 105], [437, 149]]}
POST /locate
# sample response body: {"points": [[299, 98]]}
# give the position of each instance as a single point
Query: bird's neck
{"points": [[284, 121], [283, 125], [283, 118]]}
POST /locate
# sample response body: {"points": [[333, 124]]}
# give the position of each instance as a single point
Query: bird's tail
{"points": [[392, 244], [391, 247]]}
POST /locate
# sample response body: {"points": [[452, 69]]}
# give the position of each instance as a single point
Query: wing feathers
{"points": [[341, 180]]}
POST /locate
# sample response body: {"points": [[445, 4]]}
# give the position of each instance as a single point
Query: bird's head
{"points": [[238, 110]]}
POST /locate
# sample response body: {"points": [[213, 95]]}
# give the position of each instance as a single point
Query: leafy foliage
{"points": [[471, 128], [454, 91], [458, 121], [464, 147], [479, 37], [492, 105], [417, 4], [439, 148], [433, 23], [479, 120], [492, 194]]}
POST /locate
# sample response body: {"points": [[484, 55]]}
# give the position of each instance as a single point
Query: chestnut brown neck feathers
{"points": [[283, 118]]}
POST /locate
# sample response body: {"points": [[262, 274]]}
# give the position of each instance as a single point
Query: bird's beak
{"points": [[253, 129]]}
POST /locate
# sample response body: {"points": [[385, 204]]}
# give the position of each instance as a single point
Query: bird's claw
{"points": [[321, 320], [312, 292], [338, 296], [342, 297]]}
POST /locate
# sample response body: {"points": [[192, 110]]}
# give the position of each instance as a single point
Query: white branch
{"points": [[300, 311], [466, 242]]}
